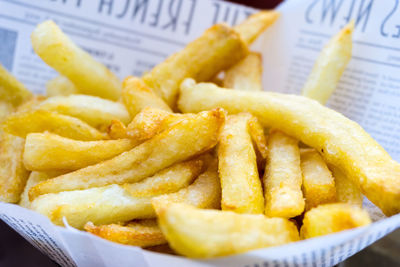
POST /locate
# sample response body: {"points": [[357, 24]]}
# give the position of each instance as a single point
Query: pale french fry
{"points": [[217, 49], [23, 123], [11, 90], [31, 103], [60, 86], [136, 96], [282, 177], [6, 108], [116, 130], [237, 167], [58, 51], [51, 152], [93, 110], [330, 66], [256, 24], [246, 74], [199, 233], [187, 138], [330, 218], [142, 233], [346, 190], [318, 183], [341, 142]]}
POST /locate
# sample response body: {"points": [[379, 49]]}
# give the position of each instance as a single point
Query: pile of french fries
{"points": [[193, 154]]}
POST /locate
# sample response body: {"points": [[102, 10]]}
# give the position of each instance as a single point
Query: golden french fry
{"points": [[31, 103], [318, 183], [50, 152], [282, 178], [93, 110], [217, 49], [58, 51], [11, 90], [330, 66], [23, 123], [187, 138], [341, 142], [346, 190], [330, 218], [142, 233], [6, 108], [237, 167], [256, 24], [60, 86], [116, 130], [165, 249], [246, 74], [199, 233], [136, 96]]}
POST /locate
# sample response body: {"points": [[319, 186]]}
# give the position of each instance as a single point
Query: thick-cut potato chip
{"points": [[136, 96], [116, 130], [142, 233], [58, 51], [282, 177], [330, 66], [199, 233], [50, 152], [237, 166], [11, 90], [246, 74], [341, 142], [60, 86], [189, 137], [217, 49], [346, 190], [93, 110], [330, 218], [36, 121], [318, 183]]}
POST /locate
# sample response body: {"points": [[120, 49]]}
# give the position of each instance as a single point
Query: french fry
{"points": [[143, 233], [11, 90], [237, 166], [6, 109], [136, 96], [93, 110], [58, 51], [217, 49], [256, 24], [341, 142], [23, 123], [318, 183], [187, 138], [199, 233], [246, 74], [60, 86], [117, 130], [330, 66], [282, 178], [51, 152], [346, 190], [330, 218]]}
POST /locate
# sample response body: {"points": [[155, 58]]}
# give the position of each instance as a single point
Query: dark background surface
{"points": [[15, 251]]}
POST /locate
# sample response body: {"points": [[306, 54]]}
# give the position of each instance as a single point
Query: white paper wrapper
{"points": [[131, 36]]}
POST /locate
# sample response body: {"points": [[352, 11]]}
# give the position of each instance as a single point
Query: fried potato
{"points": [[330, 218], [13, 174], [143, 233], [51, 152], [318, 183], [136, 95], [93, 110], [60, 86], [58, 51], [217, 49], [256, 24], [187, 138], [346, 190], [201, 233], [330, 66], [11, 90], [282, 178], [237, 166], [116, 130], [23, 123], [6, 108], [341, 142], [246, 74]]}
